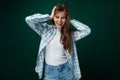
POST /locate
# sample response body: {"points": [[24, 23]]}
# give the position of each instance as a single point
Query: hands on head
{"points": [[52, 13]]}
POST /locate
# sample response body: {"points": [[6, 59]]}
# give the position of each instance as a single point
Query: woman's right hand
{"points": [[52, 13]]}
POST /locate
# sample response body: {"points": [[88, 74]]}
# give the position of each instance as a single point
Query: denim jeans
{"points": [[61, 72]]}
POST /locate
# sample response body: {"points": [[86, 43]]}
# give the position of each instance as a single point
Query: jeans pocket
{"points": [[50, 70], [51, 73]]}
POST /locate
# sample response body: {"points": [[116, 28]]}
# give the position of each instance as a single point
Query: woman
{"points": [[57, 52]]}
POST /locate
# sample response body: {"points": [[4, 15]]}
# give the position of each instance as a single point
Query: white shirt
{"points": [[55, 51]]}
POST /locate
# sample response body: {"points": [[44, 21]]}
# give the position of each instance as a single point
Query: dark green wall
{"points": [[98, 53]]}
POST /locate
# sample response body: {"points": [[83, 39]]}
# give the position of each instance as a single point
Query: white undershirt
{"points": [[55, 51]]}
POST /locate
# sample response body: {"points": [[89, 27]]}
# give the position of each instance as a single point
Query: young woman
{"points": [[57, 56]]}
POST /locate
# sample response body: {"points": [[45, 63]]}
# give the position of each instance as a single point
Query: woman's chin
{"points": [[58, 27]]}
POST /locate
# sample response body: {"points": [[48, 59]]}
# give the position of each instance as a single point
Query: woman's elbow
{"points": [[27, 19], [89, 31]]}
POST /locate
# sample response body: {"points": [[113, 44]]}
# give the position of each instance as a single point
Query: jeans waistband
{"points": [[59, 66]]}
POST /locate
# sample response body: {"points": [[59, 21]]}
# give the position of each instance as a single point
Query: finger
{"points": [[54, 8]]}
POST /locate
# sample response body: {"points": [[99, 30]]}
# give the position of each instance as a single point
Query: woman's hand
{"points": [[52, 13]]}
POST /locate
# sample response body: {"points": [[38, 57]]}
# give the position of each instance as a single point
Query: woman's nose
{"points": [[60, 20]]}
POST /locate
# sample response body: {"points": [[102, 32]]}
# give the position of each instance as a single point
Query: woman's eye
{"points": [[63, 17], [57, 17]]}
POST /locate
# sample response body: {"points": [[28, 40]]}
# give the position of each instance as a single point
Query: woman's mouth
{"points": [[59, 24]]}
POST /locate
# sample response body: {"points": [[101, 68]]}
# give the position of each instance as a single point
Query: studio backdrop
{"points": [[98, 53]]}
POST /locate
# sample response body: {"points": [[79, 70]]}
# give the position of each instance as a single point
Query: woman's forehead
{"points": [[61, 13]]}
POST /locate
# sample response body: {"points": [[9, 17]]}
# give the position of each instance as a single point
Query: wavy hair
{"points": [[66, 34]]}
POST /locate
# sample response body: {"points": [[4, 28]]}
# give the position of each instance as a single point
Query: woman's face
{"points": [[59, 19]]}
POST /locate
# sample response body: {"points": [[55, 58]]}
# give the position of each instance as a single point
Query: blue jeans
{"points": [[61, 72]]}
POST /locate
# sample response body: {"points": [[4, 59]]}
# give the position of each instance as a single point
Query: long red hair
{"points": [[66, 34]]}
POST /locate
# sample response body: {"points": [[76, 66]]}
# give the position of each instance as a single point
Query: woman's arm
{"points": [[36, 22], [82, 30]]}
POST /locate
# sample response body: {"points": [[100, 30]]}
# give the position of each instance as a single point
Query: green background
{"points": [[98, 53]]}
